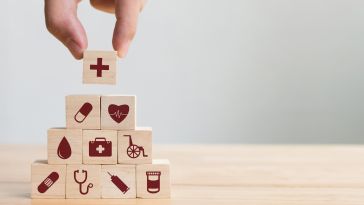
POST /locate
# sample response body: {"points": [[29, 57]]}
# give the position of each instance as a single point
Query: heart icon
{"points": [[118, 112]]}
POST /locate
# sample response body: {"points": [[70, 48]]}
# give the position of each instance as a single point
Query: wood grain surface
{"points": [[223, 174]]}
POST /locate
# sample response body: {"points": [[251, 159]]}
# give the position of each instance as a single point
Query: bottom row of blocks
{"points": [[101, 181]]}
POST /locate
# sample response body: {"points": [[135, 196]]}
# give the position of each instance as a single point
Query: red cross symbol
{"points": [[99, 67], [100, 149]]}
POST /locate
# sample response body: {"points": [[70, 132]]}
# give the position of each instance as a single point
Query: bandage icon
{"points": [[48, 182], [83, 112]]}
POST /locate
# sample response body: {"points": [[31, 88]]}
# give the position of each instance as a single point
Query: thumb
{"points": [[126, 12], [62, 22]]}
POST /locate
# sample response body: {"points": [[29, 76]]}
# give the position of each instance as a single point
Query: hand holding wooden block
{"points": [[99, 67], [48, 181]]}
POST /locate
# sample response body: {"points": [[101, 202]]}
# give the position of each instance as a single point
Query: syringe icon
{"points": [[119, 183]]}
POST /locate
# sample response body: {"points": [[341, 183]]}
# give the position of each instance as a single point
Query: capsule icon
{"points": [[48, 182], [83, 112]]}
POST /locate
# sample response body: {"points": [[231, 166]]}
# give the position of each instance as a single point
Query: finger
{"points": [[126, 12], [104, 5], [109, 5], [62, 22]]}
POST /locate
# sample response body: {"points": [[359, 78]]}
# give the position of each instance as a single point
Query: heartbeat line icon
{"points": [[118, 114]]}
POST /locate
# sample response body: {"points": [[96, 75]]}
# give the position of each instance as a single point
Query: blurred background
{"points": [[206, 71]]}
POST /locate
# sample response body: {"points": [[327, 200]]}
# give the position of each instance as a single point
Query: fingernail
{"points": [[124, 49]]}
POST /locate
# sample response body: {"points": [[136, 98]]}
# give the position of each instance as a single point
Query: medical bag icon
{"points": [[99, 147]]}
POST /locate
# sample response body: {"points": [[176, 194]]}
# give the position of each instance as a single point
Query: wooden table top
{"points": [[223, 174]]}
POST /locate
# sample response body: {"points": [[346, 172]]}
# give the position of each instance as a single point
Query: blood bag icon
{"points": [[83, 112], [153, 181]]}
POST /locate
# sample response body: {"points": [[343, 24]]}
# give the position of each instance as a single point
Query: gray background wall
{"points": [[253, 71]]}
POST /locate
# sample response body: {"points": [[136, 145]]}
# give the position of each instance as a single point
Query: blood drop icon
{"points": [[64, 149]]}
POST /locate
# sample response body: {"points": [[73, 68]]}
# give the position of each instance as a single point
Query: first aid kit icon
{"points": [[99, 147]]}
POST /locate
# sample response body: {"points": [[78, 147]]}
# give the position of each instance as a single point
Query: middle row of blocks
{"points": [[114, 112], [76, 146]]}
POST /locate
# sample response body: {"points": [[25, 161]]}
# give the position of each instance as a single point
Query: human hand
{"points": [[62, 21]]}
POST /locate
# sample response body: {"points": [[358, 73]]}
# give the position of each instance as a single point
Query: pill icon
{"points": [[83, 112], [48, 182]]}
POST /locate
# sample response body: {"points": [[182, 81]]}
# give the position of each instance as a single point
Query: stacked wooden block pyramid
{"points": [[101, 153]]}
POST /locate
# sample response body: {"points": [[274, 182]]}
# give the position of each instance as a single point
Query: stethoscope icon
{"points": [[80, 183]]}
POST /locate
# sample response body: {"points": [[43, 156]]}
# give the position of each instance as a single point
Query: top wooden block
{"points": [[99, 67]]}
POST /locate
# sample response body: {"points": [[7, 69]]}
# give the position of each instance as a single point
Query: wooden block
{"points": [[118, 181], [83, 111], [83, 181], [118, 112], [64, 146], [48, 181], [135, 146], [99, 67], [100, 146], [153, 180]]}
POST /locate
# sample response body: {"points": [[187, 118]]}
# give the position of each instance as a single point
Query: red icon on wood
{"points": [[153, 181], [133, 150], [81, 182], [99, 67], [48, 182], [99, 147], [119, 183], [64, 149], [118, 112], [83, 112]]}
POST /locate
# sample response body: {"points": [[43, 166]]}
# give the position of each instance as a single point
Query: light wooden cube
{"points": [[135, 146], [118, 112], [118, 181], [83, 111], [99, 67], [153, 180], [99, 146], [64, 146], [83, 181], [48, 181]]}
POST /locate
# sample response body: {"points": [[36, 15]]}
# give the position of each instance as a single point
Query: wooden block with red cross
{"points": [[99, 67]]}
